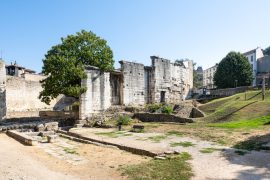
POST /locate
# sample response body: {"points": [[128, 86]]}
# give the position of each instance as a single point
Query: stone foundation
{"points": [[149, 117]]}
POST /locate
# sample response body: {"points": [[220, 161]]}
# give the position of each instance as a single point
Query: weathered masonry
{"points": [[19, 91], [135, 84]]}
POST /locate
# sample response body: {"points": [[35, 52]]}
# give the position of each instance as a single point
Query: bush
{"points": [[123, 120], [154, 107], [167, 109]]}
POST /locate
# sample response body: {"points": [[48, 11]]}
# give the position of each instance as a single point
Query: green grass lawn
{"points": [[248, 124], [183, 144], [208, 150], [174, 168]]}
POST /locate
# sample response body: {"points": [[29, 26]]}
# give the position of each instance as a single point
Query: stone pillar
{"points": [[3, 108], [86, 98]]}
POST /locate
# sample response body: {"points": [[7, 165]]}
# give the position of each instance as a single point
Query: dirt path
{"points": [[220, 163], [47, 161]]}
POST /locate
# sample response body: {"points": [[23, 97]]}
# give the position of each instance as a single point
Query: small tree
{"points": [[64, 64], [233, 68]]}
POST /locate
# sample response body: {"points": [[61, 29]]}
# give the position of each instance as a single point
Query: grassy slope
{"points": [[237, 108]]}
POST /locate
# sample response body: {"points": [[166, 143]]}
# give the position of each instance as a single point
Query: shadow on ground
{"points": [[255, 155]]}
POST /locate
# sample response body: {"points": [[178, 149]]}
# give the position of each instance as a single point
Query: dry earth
{"points": [[41, 162], [222, 163]]}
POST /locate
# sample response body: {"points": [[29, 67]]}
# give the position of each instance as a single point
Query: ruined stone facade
{"points": [[19, 95], [135, 84], [2, 89]]}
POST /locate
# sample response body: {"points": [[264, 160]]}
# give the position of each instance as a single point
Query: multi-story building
{"points": [[208, 77], [253, 56]]}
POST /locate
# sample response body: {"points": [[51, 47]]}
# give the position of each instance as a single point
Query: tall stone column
{"points": [[3, 108]]}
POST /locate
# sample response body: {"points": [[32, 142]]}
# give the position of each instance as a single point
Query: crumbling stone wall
{"points": [[133, 83], [97, 98], [2, 90], [22, 95], [172, 80]]}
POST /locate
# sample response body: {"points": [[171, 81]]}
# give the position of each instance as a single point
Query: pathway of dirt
{"points": [[61, 160], [221, 163]]}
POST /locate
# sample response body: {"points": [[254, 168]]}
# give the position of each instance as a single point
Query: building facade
{"points": [[136, 85], [208, 77], [253, 56]]}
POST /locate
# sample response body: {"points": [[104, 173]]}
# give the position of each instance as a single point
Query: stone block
{"points": [[39, 127], [52, 138], [51, 126]]}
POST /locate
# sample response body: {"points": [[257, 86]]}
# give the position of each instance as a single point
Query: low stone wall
{"points": [[23, 138], [230, 91], [59, 114], [122, 147], [149, 117]]}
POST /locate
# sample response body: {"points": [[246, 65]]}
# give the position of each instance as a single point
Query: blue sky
{"points": [[204, 31]]}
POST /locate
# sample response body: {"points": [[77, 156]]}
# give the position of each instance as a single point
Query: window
{"points": [[251, 59]]}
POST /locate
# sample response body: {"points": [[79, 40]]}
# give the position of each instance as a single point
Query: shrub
{"points": [[167, 109], [154, 107], [123, 120]]}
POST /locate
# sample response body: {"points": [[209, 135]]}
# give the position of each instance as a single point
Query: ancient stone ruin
{"points": [[135, 85]]}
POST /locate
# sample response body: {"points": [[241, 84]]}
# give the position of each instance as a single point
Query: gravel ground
{"points": [[222, 163], [50, 161]]}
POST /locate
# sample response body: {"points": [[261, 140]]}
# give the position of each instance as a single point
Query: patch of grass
{"points": [[251, 145], [167, 109], [209, 150], [175, 133], [123, 120], [249, 124], [70, 151], [157, 139], [114, 134], [183, 144], [174, 168]]}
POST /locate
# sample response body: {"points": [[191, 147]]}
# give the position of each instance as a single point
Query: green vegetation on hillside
{"points": [[253, 123], [237, 108]]}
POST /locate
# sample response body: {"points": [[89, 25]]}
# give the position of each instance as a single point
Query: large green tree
{"points": [[233, 69], [267, 51], [64, 64]]}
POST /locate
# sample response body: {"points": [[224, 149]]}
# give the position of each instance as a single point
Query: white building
{"points": [[208, 77], [253, 56]]}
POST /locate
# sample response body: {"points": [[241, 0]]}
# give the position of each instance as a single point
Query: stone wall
{"points": [[22, 95], [133, 83], [162, 78], [149, 117], [171, 80], [97, 98], [2, 90]]}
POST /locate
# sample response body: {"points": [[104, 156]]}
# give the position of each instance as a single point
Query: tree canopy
{"points": [[267, 51], [233, 69], [64, 64]]}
